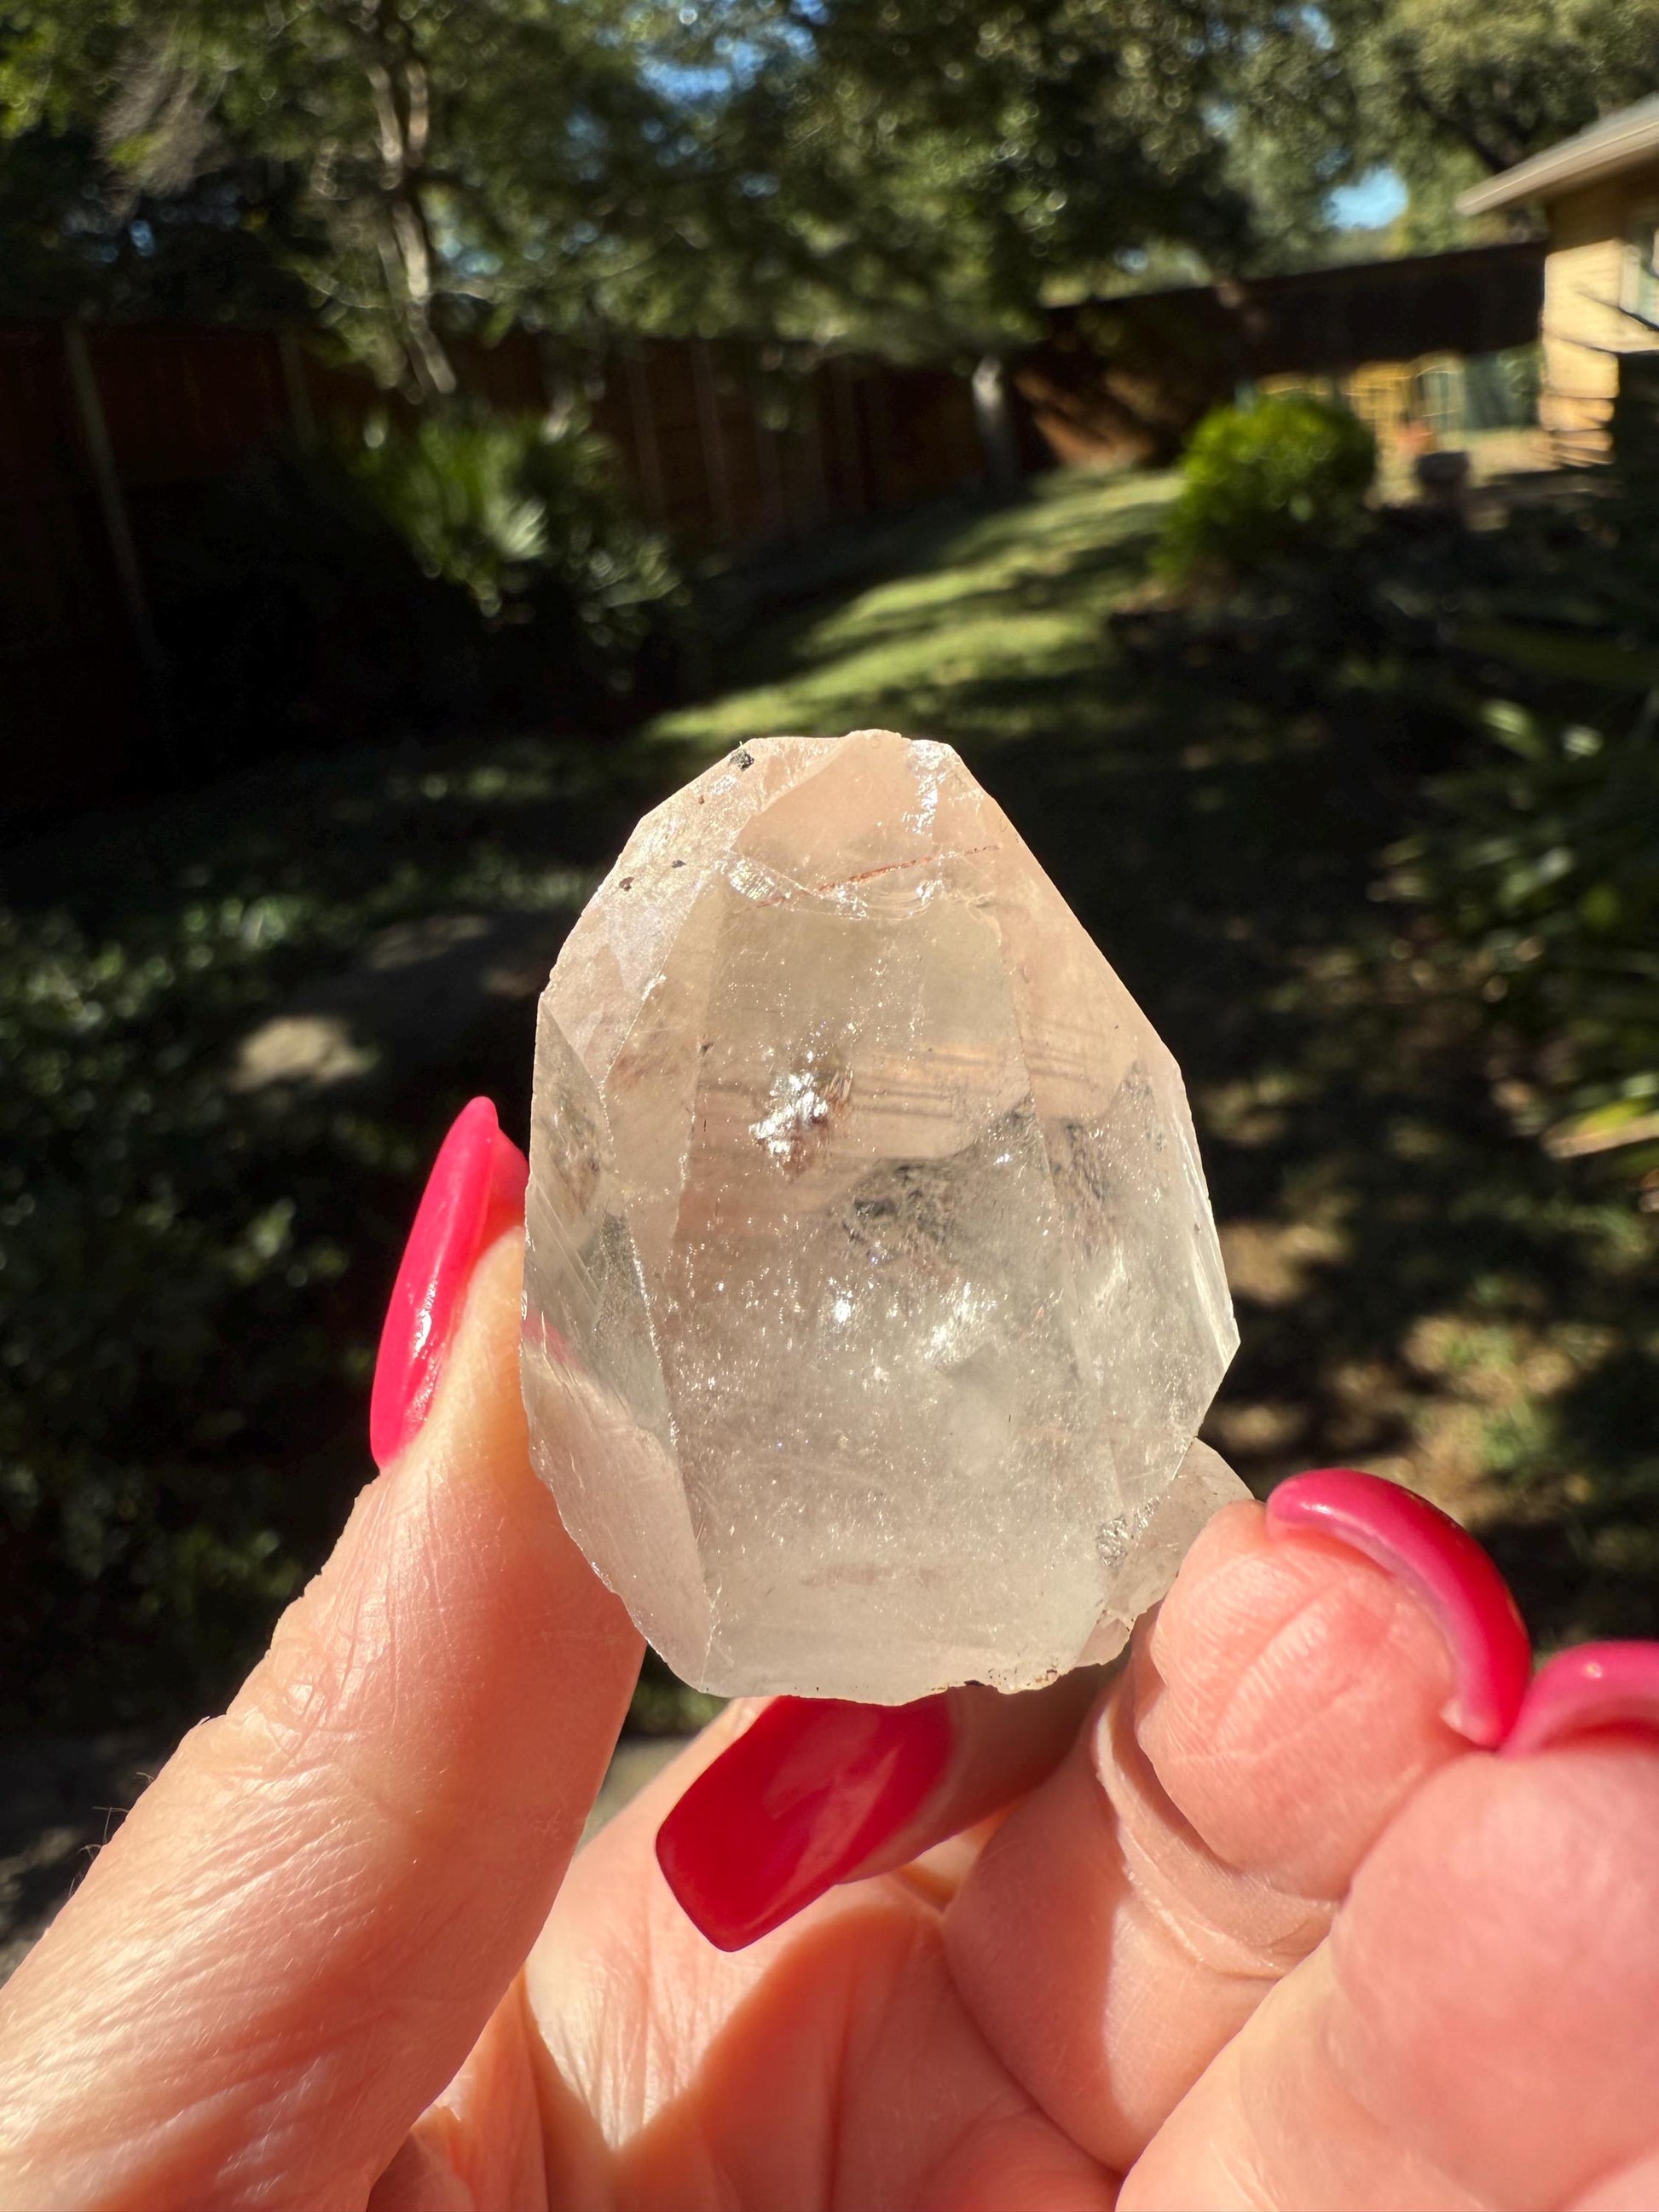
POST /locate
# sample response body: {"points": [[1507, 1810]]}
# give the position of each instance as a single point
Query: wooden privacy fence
{"points": [[111, 434], [1126, 378]]}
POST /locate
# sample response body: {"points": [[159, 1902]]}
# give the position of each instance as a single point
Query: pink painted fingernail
{"points": [[1442, 1565], [798, 1803], [1598, 1685], [475, 1191]]}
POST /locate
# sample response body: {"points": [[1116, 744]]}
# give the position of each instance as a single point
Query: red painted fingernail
{"points": [[1598, 1685], [798, 1803], [475, 1191], [1441, 1564]]}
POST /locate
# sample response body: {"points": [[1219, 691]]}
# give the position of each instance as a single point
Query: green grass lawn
{"points": [[987, 629], [1420, 1290], [233, 1026]]}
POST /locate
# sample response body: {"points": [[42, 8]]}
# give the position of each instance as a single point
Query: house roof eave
{"points": [[1618, 143]]}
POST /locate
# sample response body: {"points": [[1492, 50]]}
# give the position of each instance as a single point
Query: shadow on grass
{"points": [[1420, 1290], [233, 1028]]}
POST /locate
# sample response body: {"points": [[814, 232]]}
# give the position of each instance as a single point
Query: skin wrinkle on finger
{"points": [[1251, 1719], [1131, 1914], [1498, 1967], [394, 1797], [483, 2134], [420, 2179], [1307, 1695], [1482, 2027], [1268, 2127], [653, 1973], [1169, 1867], [793, 2073], [260, 2116], [1232, 1921]]}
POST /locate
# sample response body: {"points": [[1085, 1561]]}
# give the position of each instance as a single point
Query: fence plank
{"points": [[716, 461], [646, 448], [111, 435], [101, 453]]}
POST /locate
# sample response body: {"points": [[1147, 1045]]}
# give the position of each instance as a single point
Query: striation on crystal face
{"points": [[872, 1298]]}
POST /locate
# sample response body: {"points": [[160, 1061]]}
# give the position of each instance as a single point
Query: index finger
{"points": [[309, 1917]]}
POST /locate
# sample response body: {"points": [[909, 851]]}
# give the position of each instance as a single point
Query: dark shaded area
{"points": [[235, 1029], [1333, 1086], [235, 1026], [1421, 1287]]}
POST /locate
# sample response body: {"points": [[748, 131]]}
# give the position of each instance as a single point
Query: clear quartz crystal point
{"points": [[872, 1296]]}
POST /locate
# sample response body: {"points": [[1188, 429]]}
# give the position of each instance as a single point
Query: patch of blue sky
{"points": [[688, 87], [1366, 205]]}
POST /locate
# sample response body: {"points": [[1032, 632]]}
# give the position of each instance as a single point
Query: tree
{"points": [[1446, 96], [911, 172], [1000, 149], [1498, 80], [439, 162]]}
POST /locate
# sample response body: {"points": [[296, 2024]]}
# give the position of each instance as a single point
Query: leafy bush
{"points": [[476, 571], [1542, 868], [193, 1265], [527, 518], [454, 490], [1285, 473]]}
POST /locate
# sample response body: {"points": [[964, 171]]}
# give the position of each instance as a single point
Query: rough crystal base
{"points": [[872, 1296]]}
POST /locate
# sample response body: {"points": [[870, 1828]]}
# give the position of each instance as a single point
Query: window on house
{"points": [[1638, 294]]}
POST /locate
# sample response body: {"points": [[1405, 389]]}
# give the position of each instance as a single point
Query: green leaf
{"points": [[1576, 659]]}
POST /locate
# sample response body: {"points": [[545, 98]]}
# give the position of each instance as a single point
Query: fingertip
{"points": [[1287, 1696], [474, 1193], [801, 1800], [1445, 1569], [1586, 1692]]}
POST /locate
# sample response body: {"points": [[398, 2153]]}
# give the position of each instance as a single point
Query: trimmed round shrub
{"points": [[1280, 475]]}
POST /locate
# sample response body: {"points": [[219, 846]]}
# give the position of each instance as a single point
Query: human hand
{"points": [[1264, 1930]]}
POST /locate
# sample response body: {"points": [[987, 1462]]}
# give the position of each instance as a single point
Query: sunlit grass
{"points": [[1419, 1291], [193, 1273], [1018, 597]]}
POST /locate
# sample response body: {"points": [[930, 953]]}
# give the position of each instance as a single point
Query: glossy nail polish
{"points": [[1598, 1685], [475, 1191], [802, 1800], [1443, 1566]]}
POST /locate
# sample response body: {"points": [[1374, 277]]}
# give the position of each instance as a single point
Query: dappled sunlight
{"points": [[242, 1020], [1016, 599], [235, 1025], [1374, 1203]]}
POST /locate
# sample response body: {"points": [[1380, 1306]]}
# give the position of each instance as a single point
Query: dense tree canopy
{"points": [[1446, 96], [913, 172], [397, 152], [805, 169], [1496, 80]]}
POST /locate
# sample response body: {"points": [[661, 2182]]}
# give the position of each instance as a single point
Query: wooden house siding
{"points": [[1586, 279]]}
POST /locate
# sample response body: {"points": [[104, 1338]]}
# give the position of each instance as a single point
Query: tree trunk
{"points": [[996, 427], [401, 87]]}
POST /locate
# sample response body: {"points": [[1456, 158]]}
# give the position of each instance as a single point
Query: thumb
{"points": [[309, 1917]]}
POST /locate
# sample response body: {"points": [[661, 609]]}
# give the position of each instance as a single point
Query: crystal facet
{"points": [[873, 1297]]}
